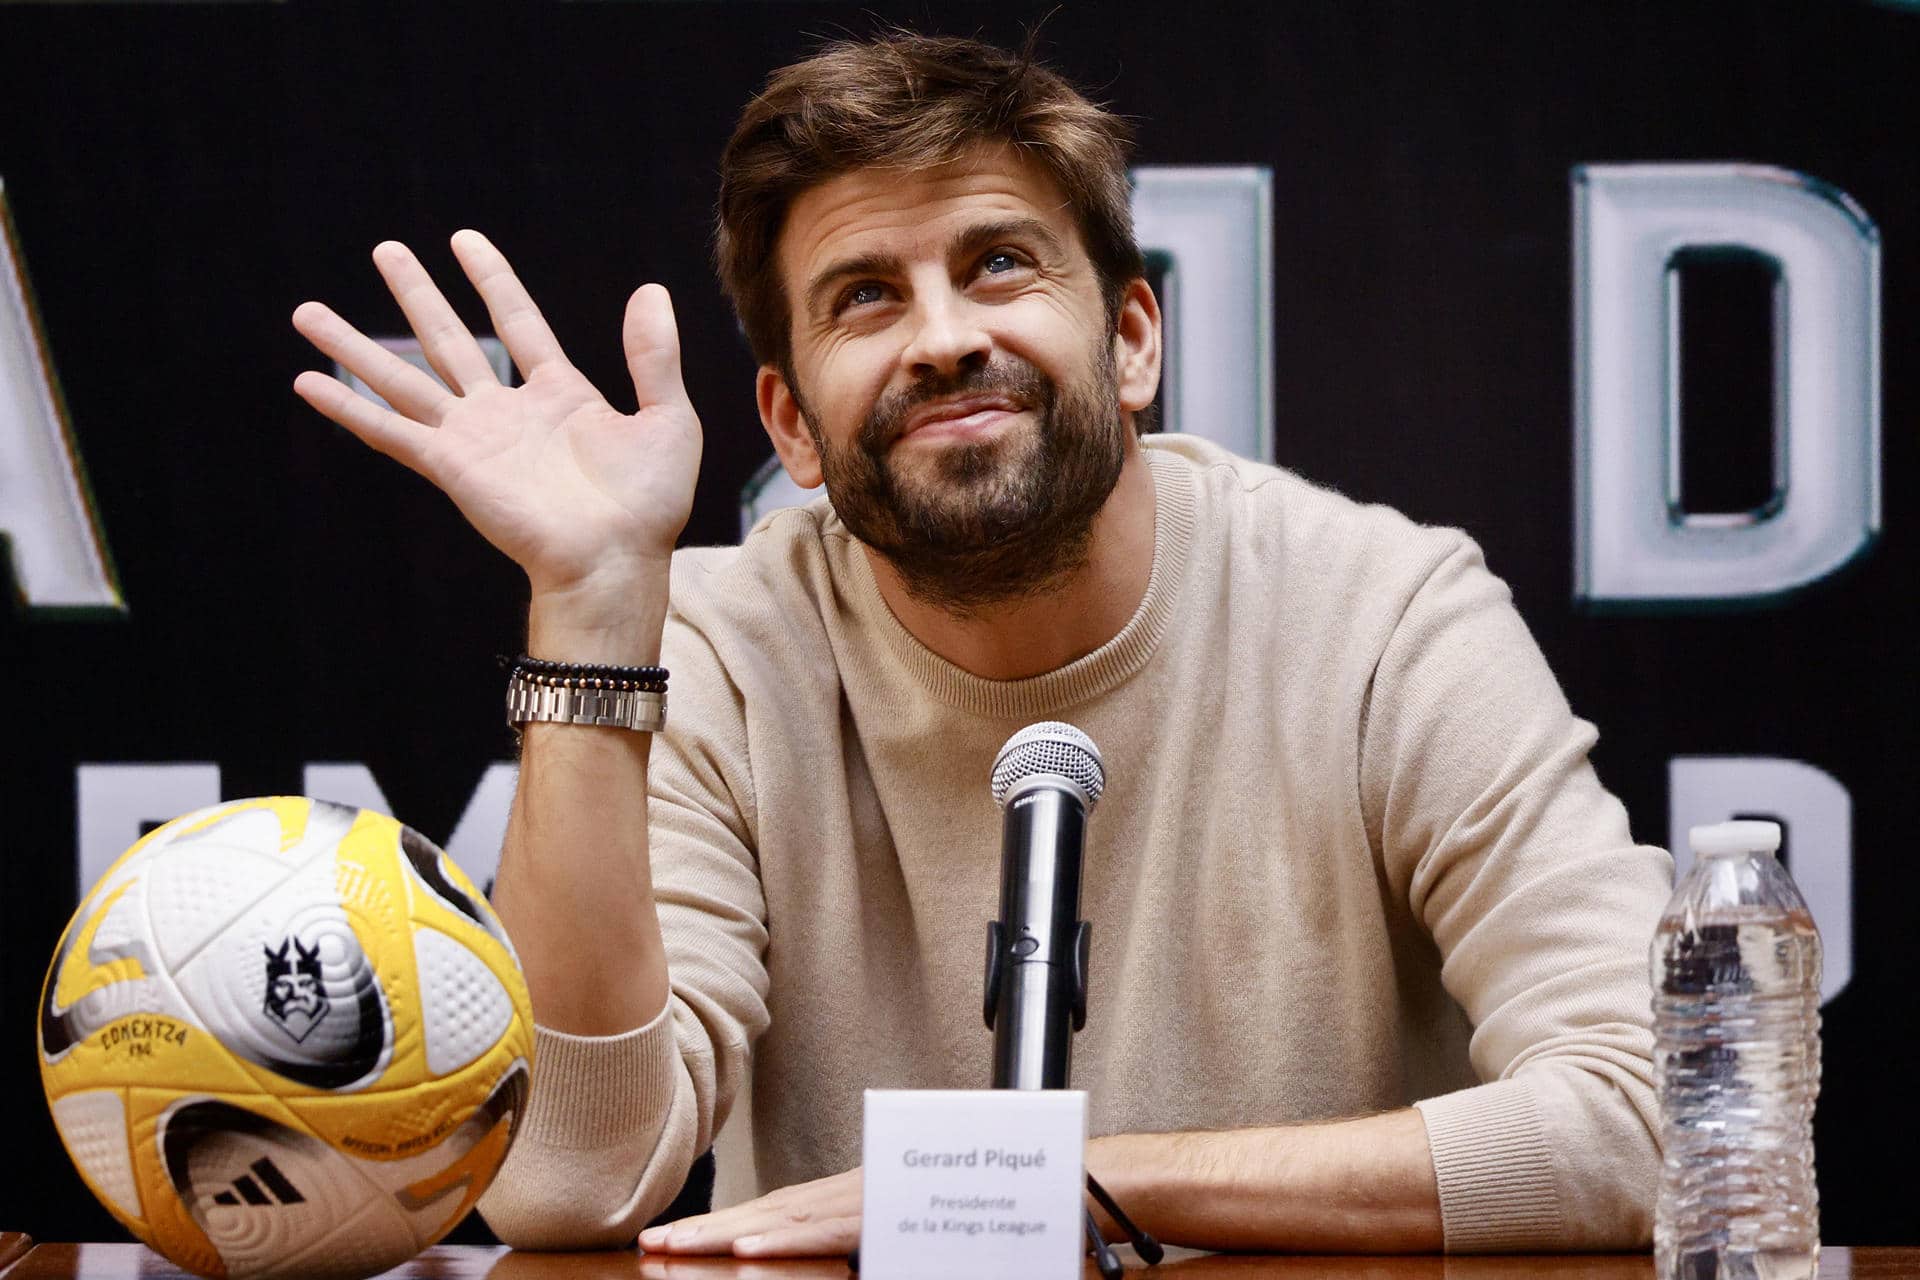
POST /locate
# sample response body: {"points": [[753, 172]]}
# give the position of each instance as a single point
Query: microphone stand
{"points": [[1053, 1072]]}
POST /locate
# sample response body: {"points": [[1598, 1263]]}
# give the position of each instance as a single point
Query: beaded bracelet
{"points": [[588, 675], [580, 670]]}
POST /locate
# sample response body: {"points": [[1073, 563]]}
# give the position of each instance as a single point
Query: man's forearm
{"points": [[575, 888], [1350, 1186]]}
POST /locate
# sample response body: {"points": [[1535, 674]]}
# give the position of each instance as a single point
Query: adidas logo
{"points": [[278, 1189]]}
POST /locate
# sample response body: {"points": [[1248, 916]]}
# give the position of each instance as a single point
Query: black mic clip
{"points": [[1000, 955]]}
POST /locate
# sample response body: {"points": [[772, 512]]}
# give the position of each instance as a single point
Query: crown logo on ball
{"points": [[295, 999]]}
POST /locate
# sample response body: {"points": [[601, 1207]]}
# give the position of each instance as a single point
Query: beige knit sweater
{"points": [[1351, 856]]}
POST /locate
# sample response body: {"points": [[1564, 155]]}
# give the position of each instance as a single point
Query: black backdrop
{"points": [[182, 176]]}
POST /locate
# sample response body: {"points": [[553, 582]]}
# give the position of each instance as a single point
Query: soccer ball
{"points": [[285, 1037]]}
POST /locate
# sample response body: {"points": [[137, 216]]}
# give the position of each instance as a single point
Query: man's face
{"points": [[296, 991], [953, 364]]}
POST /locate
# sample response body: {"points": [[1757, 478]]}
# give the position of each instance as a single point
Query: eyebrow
{"points": [[862, 264], [974, 239], [967, 243]]}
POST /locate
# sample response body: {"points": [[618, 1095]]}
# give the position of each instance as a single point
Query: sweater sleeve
{"points": [[614, 1123], [1494, 829]]}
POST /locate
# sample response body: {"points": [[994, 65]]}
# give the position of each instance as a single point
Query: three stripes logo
{"points": [[272, 1187]]}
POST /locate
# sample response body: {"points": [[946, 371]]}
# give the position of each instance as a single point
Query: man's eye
{"points": [[999, 262], [860, 295]]}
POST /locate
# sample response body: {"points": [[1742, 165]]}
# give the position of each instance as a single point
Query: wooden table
{"points": [[457, 1262]]}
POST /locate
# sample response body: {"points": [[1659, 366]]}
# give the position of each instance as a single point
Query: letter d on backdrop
{"points": [[1633, 543], [47, 521]]}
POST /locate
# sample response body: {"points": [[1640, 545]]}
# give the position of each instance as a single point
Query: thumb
{"points": [[652, 342]]}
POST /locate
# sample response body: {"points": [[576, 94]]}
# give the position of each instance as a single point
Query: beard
{"points": [[984, 522]]}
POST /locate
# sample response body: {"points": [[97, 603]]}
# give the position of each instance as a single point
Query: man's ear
{"points": [[780, 415], [1136, 346]]}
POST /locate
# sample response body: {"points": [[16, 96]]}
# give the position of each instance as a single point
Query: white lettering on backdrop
{"points": [[47, 520], [1634, 543], [1816, 812]]}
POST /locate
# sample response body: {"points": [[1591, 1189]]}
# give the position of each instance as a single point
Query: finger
{"points": [[402, 385], [449, 348], [809, 1240], [382, 430], [769, 1217], [652, 340], [824, 1199], [516, 320], [708, 1232]]}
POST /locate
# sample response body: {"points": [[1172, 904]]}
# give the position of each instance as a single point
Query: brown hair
{"points": [[909, 101]]}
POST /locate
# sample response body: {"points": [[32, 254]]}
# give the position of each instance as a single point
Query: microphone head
{"points": [[1049, 747]]}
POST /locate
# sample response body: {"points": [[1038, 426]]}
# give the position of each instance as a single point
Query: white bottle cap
{"points": [[1734, 837]]}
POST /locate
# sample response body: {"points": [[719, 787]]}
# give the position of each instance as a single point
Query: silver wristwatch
{"points": [[567, 703]]}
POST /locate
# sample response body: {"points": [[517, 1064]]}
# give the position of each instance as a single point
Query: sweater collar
{"points": [[1087, 677]]}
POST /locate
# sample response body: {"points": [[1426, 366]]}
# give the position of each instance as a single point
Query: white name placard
{"points": [[971, 1184]]}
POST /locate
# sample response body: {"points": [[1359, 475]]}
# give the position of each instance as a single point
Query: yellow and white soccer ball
{"points": [[286, 1037]]}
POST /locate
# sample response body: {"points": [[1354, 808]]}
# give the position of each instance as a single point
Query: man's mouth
{"points": [[960, 416]]}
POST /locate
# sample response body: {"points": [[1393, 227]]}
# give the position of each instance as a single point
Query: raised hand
{"points": [[585, 499]]}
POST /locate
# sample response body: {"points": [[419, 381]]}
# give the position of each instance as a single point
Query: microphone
{"points": [[1046, 779]]}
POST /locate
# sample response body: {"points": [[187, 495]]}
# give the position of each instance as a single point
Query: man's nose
{"points": [[948, 337]]}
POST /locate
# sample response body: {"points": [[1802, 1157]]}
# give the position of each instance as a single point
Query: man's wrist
{"points": [[612, 619], [1331, 1187]]}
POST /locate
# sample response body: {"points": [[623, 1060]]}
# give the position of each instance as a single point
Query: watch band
{"points": [[530, 699]]}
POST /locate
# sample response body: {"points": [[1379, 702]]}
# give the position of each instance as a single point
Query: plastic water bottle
{"points": [[1736, 1024]]}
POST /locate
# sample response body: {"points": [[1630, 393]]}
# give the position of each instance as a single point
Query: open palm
{"points": [[550, 473]]}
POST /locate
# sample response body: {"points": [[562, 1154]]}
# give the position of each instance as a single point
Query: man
{"points": [[1350, 857]]}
